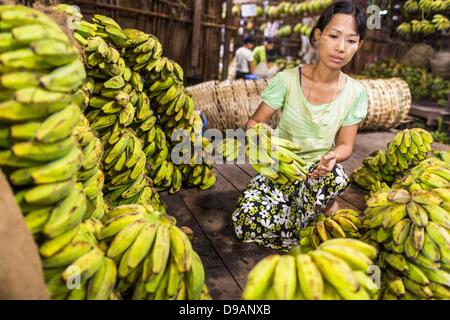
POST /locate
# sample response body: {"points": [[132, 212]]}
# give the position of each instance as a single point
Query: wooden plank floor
{"points": [[208, 214]]}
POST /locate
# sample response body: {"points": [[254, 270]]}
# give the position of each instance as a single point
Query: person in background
{"points": [[244, 59], [260, 52]]}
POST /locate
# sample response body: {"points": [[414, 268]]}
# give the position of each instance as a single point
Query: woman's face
{"points": [[339, 41]]}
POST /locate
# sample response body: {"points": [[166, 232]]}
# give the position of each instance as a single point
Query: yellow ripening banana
{"points": [[43, 151], [55, 171], [338, 273], [67, 214], [260, 278], [103, 282], [394, 214], [310, 280], [181, 249], [125, 238], [142, 245], [195, 278], [368, 250], [52, 246], [417, 214], [67, 255], [161, 249], [119, 222], [285, 278], [86, 265]]}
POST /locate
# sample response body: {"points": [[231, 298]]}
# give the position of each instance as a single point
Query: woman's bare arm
{"points": [[346, 140], [262, 114]]}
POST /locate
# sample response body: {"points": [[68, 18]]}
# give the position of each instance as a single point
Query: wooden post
{"points": [[226, 45], [196, 33]]}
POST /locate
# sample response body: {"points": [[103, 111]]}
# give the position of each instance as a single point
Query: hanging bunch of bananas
{"points": [[406, 149], [413, 228], [284, 32], [274, 157], [91, 173], [336, 270], [411, 6], [441, 22], [154, 257], [434, 5], [302, 29], [344, 223]]}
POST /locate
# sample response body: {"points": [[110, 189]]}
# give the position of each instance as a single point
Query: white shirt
{"points": [[243, 56]]}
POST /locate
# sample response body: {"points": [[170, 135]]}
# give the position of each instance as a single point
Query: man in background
{"points": [[244, 59], [260, 52]]}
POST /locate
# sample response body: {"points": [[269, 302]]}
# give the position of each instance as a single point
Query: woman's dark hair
{"points": [[346, 7]]}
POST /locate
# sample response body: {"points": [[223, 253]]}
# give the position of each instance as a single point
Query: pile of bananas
{"points": [[274, 157], [155, 258], [334, 271], [344, 223], [406, 150], [41, 155], [40, 71], [303, 29], [174, 107], [421, 83], [413, 228], [139, 89], [115, 102]]}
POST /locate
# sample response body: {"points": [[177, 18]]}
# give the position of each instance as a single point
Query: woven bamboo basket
{"points": [[229, 104], [389, 103]]}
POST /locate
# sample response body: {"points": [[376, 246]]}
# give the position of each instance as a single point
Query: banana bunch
{"points": [[175, 109], [284, 32], [39, 74], [406, 149], [429, 174], [344, 223], [434, 5], [411, 6], [311, 7], [229, 149], [274, 157], [154, 257], [413, 227], [336, 270], [404, 279], [423, 26], [441, 22], [283, 64], [116, 106], [91, 172], [302, 29], [75, 266], [404, 28]]}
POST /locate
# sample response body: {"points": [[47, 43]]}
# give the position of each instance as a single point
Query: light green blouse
{"points": [[314, 127]]}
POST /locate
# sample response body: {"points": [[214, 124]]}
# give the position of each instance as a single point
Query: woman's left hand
{"points": [[326, 165]]}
